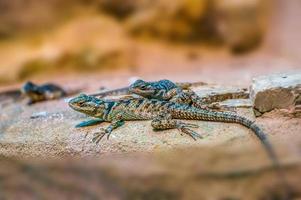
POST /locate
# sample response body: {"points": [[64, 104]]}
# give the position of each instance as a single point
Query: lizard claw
{"points": [[191, 133], [190, 125], [183, 127], [99, 135], [86, 134], [108, 135]]}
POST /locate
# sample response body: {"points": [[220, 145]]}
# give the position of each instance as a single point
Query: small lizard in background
{"points": [[37, 93]]}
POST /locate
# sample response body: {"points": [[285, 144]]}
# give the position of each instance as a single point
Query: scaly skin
{"points": [[45, 92], [164, 115], [166, 90]]}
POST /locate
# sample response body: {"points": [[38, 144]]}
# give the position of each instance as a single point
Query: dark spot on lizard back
{"points": [[140, 101]]}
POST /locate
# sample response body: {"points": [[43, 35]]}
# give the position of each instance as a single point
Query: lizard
{"points": [[164, 90], [157, 84], [37, 93], [163, 115]]}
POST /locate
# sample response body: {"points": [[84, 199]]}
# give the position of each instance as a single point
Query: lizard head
{"points": [[142, 88], [32, 91], [88, 105], [29, 87]]}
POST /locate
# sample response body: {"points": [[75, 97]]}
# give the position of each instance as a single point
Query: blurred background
{"points": [[213, 40]]}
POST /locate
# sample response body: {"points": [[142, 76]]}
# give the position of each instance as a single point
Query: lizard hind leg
{"points": [[166, 122]]}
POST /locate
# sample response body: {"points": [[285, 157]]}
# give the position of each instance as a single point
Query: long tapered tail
{"points": [[209, 115], [186, 112]]}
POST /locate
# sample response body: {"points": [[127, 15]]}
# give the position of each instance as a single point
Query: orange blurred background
{"points": [[215, 41]]}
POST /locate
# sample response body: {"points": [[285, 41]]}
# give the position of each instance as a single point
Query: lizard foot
{"points": [[99, 135], [185, 128]]}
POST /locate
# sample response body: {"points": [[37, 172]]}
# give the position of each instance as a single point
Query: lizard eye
{"points": [[143, 87]]}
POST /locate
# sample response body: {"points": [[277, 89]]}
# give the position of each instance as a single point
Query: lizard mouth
{"points": [[76, 103]]}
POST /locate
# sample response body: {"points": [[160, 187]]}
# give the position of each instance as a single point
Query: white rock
{"points": [[276, 91], [39, 115]]}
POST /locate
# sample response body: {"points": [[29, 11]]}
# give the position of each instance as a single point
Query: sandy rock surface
{"points": [[47, 129], [137, 162], [196, 173]]}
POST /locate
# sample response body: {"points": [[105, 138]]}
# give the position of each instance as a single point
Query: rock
{"points": [[162, 175], [276, 91], [236, 103], [48, 129], [216, 93], [54, 135], [38, 115]]}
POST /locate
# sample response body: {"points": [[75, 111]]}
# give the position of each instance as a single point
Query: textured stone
{"points": [[171, 174], [47, 130], [276, 91], [217, 93]]}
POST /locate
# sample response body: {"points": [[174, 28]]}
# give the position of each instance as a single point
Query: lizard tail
{"points": [[186, 112], [263, 139], [230, 117], [234, 118], [270, 150]]}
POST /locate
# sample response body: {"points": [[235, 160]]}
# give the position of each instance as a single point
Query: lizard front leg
{"points": [[117, 122], [164, 122], [166, 96], [90, 122], [182, 98]]}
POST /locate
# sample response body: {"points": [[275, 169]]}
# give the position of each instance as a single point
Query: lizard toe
{"points": [[191, 133], [98, 136]]}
